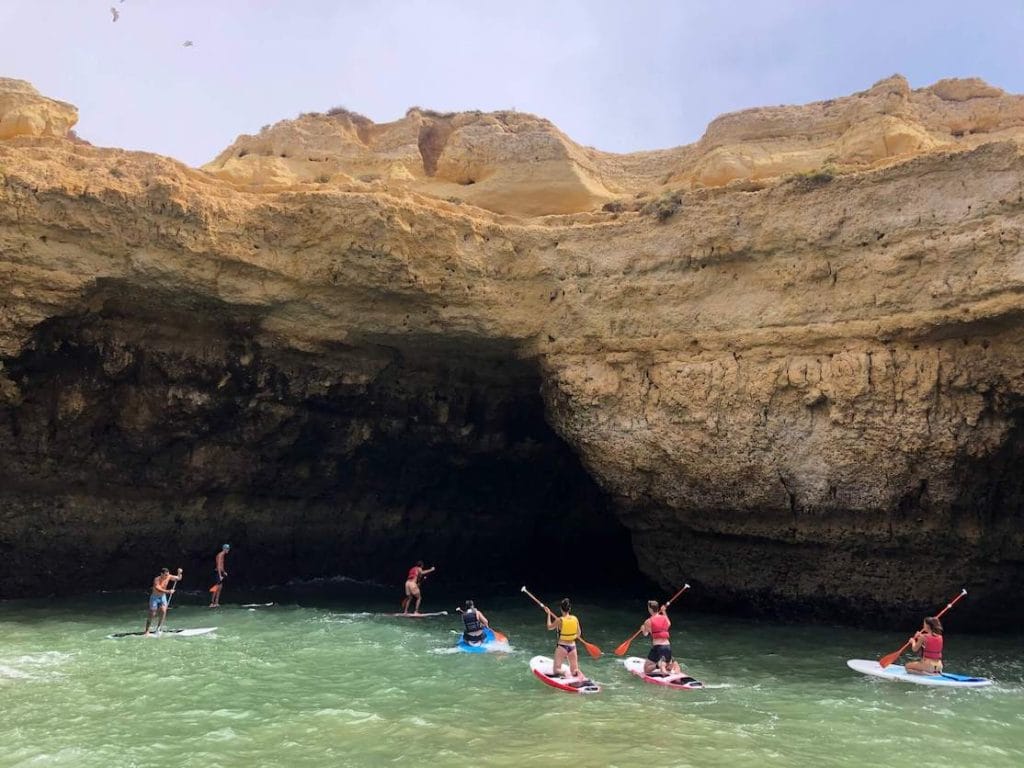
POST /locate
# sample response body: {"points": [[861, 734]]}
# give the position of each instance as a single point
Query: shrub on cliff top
{"points": [[355, 117], [430, 113]]}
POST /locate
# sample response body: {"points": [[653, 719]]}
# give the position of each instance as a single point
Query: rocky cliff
{"points": [[782, 363]]}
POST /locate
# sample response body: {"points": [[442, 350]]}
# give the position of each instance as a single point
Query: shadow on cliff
{"points": [[151, 428]]}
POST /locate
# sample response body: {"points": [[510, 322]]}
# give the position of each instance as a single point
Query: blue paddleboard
{"points": [[489, 644]]}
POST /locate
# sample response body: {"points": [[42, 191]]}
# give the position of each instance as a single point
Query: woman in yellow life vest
{"points": [[568, 628]]}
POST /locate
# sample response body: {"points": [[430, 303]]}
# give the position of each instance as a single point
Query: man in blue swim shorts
{"points": [[159, 598]]}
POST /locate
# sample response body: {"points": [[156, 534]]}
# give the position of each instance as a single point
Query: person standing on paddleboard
{"points": [[219, 573], [412, 585], [474, 624], [656, 627], [928, 642], [158, 598], [568, 628]]}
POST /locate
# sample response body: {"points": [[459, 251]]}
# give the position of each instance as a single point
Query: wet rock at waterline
{"points": [[802, 393]]}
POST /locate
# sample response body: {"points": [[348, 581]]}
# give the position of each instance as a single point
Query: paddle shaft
{"points": [[177, 584], [538, 602], [885, 661]]}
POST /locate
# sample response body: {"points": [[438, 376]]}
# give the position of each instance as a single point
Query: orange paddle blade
{"points": [[889, 658], [621, 650], [499, 636], [213, 588], [592, 649]]}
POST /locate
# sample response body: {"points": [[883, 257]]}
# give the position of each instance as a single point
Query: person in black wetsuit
{"points": [[475, 623]]}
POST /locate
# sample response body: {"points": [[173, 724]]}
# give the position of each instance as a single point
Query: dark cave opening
{"points": [[151, 429]]}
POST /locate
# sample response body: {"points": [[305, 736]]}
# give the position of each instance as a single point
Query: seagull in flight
{"points": [[187, 44], [114, 13]]}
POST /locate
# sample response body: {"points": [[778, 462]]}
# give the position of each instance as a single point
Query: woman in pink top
{"points": [[659, 660], [927, 642]]}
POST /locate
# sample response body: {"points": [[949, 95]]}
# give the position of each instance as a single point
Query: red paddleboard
{"points": [[683, 681], [541, 667]]}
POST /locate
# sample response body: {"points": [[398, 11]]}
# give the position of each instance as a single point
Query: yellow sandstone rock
{"points": [[794, 385], [24, 112]]}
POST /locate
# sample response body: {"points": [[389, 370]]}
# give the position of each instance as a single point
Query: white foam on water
{"points": [[351, 716], [34, 666], [10, 673]]}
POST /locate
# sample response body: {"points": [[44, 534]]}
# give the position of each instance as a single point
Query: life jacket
{"points": [[414, 574], [933, 647], [659, 626], [472, 622], [570, 629]]}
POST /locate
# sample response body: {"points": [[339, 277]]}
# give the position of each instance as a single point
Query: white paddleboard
{"points": [[682, 681], [541, 666], [899, 674], [255, 605], [170, 632], [417, 615]]}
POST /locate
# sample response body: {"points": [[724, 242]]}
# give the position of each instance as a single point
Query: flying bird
{"points": [[187, 44], [114, 13]]}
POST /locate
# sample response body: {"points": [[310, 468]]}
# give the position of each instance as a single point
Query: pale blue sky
{"points": [[621, 76]]}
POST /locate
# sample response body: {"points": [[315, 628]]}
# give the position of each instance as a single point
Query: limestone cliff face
{"points": [[801, 395], [518, 164], [505, 161]]}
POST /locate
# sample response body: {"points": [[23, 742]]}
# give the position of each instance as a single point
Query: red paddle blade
{"points": [[889, 658], [621, 650], [592, 649], [499, 636], [213, 588]]}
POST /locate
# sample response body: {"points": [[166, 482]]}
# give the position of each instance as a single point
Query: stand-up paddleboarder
{"points": [[159, 598], [219, 574], [412, 585]]}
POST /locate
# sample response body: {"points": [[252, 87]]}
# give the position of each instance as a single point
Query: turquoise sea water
{"points": [[331, 682]]}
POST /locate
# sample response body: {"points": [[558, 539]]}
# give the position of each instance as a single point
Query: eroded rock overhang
{"points": [[801, 398]]}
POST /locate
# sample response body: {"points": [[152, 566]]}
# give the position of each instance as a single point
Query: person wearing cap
{"points": [[220, 574]]}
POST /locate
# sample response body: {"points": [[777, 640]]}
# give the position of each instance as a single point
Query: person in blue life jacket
{"points": [[474, 623]]}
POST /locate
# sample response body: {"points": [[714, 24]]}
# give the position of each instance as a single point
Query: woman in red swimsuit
{"points": [[412, 586], [927, 642]]}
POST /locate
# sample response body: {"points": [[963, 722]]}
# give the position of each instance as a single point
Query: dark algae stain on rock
{"points": [[157, 424]]}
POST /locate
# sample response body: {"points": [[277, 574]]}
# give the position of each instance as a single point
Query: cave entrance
{"points": [[151, 429]]}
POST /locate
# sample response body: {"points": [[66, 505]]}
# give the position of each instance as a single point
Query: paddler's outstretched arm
{"points": [[553, 622]]}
